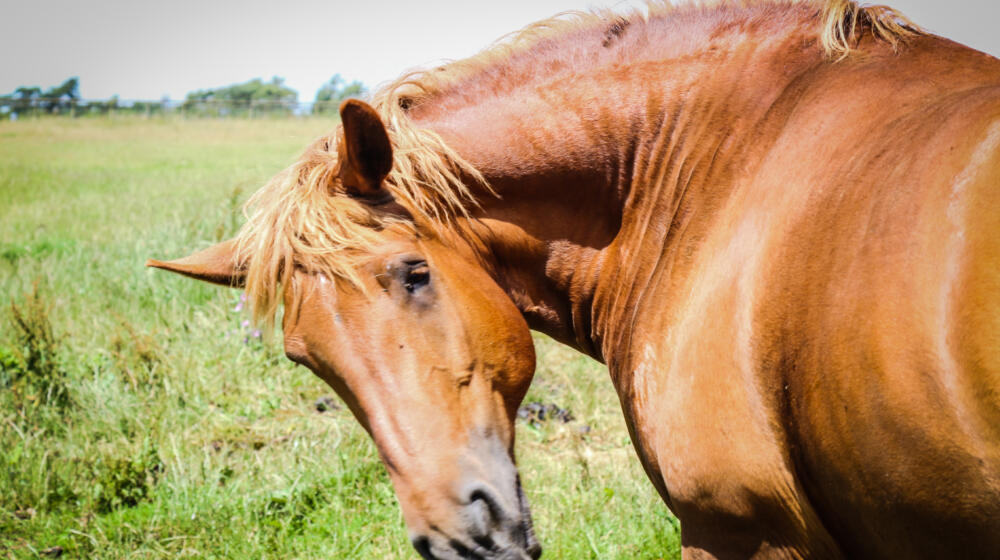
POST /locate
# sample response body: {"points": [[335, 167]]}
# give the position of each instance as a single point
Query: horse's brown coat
{"points": [[790, 264]]}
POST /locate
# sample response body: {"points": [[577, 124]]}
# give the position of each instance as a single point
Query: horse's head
{"points": [[434, 364], [433, 359]]}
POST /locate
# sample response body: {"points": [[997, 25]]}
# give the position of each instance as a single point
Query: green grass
{"points": [[137, 422]]}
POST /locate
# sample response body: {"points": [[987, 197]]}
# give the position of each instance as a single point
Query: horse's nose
{"points": [[489, 528]]}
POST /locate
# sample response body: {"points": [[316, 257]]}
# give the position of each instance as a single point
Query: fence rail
{"points": [[15, 108]]}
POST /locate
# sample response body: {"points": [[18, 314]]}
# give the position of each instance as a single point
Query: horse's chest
{"points": [[699, 411]]}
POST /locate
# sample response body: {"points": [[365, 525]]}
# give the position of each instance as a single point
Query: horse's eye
{"points": [[417, 276]]}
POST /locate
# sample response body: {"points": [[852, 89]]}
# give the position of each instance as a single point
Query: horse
{"points": [[776, 223]]}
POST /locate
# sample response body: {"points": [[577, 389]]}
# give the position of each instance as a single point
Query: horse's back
{"points": [[882, 306]]}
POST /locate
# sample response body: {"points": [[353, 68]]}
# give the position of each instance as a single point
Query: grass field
{"points": [[140, 418]]}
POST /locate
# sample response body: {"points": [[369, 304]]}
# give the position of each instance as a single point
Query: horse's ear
{"points": [[365, 152], [216, 264]]}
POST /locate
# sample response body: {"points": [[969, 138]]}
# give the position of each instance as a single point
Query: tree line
{"points": [[252, 98]]}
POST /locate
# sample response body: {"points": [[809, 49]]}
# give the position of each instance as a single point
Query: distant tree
{"points": [[24, 92], [112, 105], [144, 108], [70, 89], [332, 93], [61, 98], [26, 98], [255, 95]]}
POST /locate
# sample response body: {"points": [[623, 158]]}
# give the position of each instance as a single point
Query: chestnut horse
{"points": [[777, 223]]}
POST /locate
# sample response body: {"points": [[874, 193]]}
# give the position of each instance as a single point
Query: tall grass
{"points": [[140, 418]]}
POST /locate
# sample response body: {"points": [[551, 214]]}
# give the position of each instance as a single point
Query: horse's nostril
{"points": [[484, 541], [480, 514], [481, 497], [423, 547], [464, 551]]}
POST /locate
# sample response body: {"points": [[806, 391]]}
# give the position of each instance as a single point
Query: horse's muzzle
{"points": [[493, 530]]}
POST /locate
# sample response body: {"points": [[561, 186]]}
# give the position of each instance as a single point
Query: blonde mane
{"points": [[298, 219]]}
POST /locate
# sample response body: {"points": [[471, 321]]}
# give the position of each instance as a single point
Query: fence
{"points": [[16, 108]]}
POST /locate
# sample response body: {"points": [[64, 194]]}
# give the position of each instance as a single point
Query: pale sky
{"points": [[139, 49]]}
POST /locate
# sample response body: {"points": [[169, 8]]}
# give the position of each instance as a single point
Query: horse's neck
{"points": [[599, 176]]}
